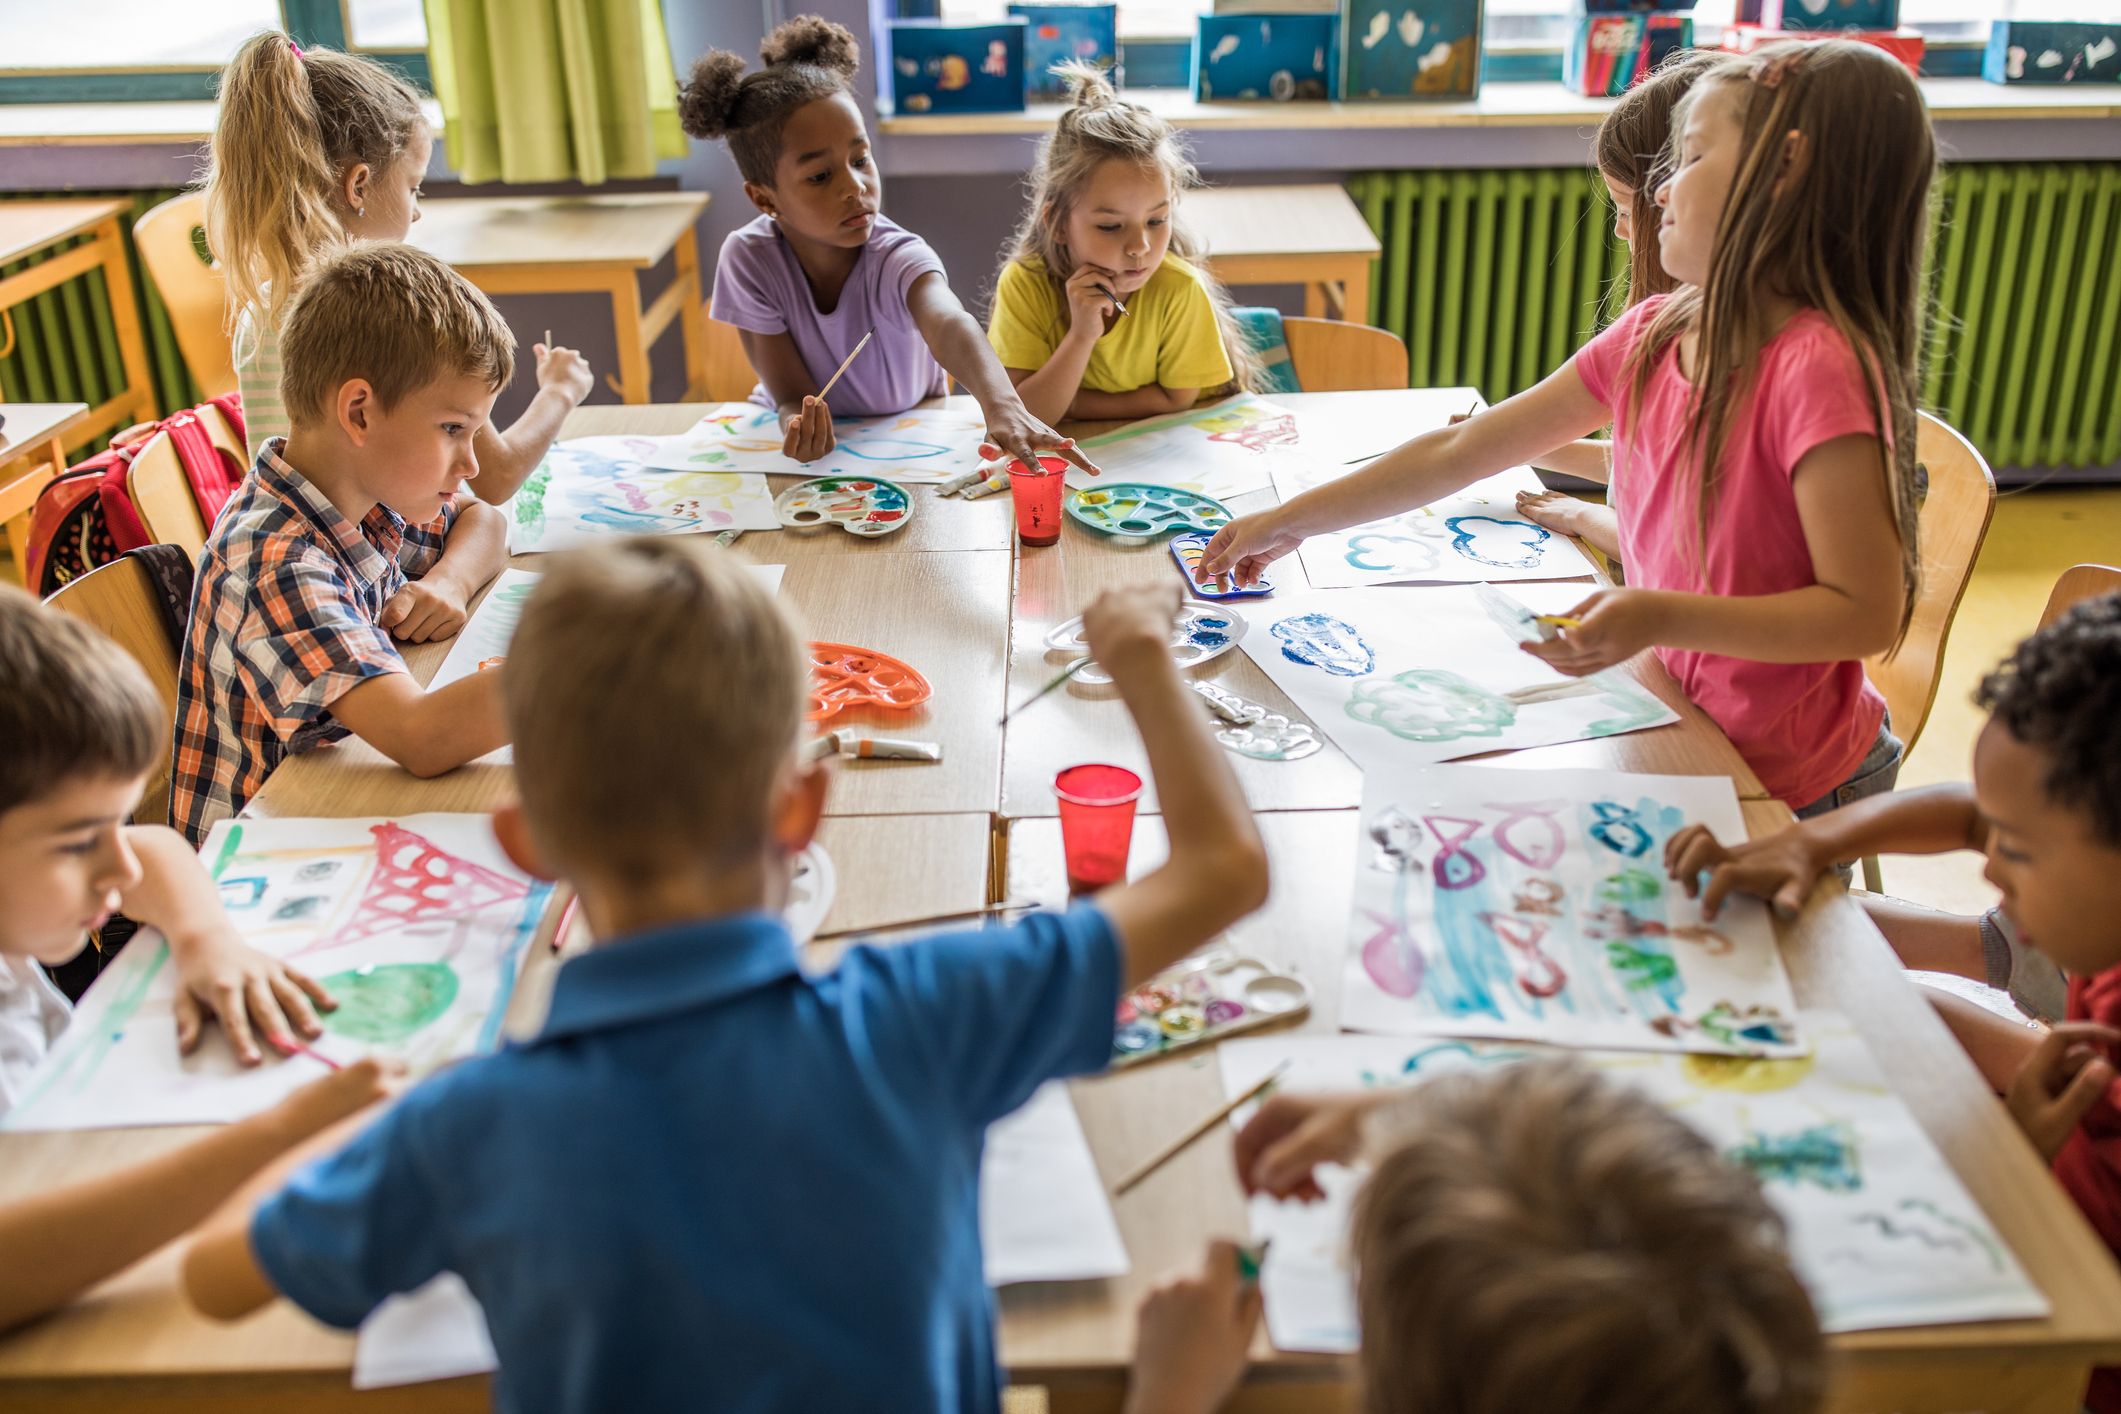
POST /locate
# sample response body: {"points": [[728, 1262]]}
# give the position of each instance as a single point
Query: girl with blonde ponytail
{"points": [[313, 149], [1100, 312]]}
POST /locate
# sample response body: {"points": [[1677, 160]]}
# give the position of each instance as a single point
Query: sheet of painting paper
{"points": [[924, 444], [1493, 902], [1221, 450], [416, 925], [593, 487], [1881, 1231], [1043, 1217], [1432, 674], [1473, 536]]}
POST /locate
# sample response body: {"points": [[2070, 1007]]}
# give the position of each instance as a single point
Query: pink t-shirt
{"points": [[1802, 727]]}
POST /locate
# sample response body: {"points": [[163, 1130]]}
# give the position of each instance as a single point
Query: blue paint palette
{"points": [[1199, 633], [1190, 548], [1138, 512], [1201, 1002]]}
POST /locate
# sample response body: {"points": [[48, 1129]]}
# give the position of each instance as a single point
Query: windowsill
{"points": [[114, 124], [1500, 105]]}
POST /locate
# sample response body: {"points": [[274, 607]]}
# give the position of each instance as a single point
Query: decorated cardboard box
{"points": [[1054, 34], [1274, 56], [2052, 51], [1830, 14], [941, 68], [1903, 44], [1618, 7], [1609, 53], [1399, 49]]}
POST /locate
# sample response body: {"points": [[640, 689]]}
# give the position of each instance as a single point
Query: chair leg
{"points": [[1872, 880]]}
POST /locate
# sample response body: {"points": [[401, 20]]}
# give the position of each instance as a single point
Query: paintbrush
{"points": [[1221, 1112], [904, 923], [290, 1046], [1068, 672], [1114, 298], [1373, 456], [843, 365]]}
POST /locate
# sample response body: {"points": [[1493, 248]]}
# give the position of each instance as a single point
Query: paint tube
{"points": [[998, 482], [963, 479], [821, 748], [886, 748]]}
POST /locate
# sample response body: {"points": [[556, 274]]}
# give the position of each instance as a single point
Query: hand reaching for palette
{"points": [[1125, 623], [1246, 546]]}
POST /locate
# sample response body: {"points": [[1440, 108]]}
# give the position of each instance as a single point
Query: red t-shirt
{"points": [[2089, 1166]]}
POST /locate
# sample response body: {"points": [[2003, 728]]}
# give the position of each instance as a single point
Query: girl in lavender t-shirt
{"points": [[821, 266]]}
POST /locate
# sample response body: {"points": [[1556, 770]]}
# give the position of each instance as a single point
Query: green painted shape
{"points": [[1639, 968], [1630, 886], [1637, 709], [530, 498], [389, 1002], [229, 846], [1430, 704]]}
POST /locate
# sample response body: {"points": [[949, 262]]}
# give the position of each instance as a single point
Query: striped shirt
{"points": [[284, 621], [257, 350]]}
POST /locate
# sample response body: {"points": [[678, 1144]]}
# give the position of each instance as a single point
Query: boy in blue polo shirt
{"points": [[710, 1181]]}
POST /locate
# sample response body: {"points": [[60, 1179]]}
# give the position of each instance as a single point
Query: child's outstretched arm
{"points": [[1557, 410], [1216, 871], [506, 459], [426, 732], [435, 605], [961, 347], [58, 1244], [221, 975], [1586, 459]]}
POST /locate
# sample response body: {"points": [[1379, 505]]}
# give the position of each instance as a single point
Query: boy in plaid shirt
{"points": [[346, 532]]}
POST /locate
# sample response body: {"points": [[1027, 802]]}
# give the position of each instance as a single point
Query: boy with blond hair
{"points": [[346, 532], [82, 728], [1530, 1237], [712, 1181]]}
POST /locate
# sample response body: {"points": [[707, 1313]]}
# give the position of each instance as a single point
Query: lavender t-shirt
{"points": [[759, 285]]}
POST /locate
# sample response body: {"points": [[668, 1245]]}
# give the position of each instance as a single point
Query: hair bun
{"points": [[1088, 87], [816, 41], [708, 100]]}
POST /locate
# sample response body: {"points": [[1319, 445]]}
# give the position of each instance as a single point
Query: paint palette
{"points": [[867, 506], [1199, 633], [1137, 512], [843, 676], [1204, 1001], [1189, 549]]}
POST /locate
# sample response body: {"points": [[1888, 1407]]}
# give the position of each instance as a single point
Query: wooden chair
{"points": [[2078, 583], [729, 375], [191, 289], [162, 495], [1950, 526], [1330, 356], [121, 600]]}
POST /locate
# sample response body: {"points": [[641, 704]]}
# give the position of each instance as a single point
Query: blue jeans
{"points": [[1874, 775]]}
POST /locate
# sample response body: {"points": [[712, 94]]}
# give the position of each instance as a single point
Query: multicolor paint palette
{"points": [[860, 505], [1199, 633], [1202, 1002], [1190, 549], [1139, 512], [843, 676]]}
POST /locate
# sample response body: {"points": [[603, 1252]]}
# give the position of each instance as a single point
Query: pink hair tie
{"points": [[294, 48], [1772, 70]]}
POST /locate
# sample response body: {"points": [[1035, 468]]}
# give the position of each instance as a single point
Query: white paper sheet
{"points": [[593, 487], [1471, 537], [1426, 674], [1221, 450], [1881, 1231], [1493, 902], [923, 445]]}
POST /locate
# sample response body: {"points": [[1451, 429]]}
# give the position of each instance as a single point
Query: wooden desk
{"points": [[32, 452], [1305, 235], [533, 245], [30, 227]]}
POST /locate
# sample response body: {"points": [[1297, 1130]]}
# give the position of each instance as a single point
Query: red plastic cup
{"points": [[1097, 823], [1037, 493]]}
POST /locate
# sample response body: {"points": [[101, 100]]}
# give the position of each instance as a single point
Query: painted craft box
{"points": [[1621, 7], [1394, 49], [1054, 34], [2052, 51], [1906, 45], [1282, 57], [1608, 54], [939, 68], [1830, 14]]}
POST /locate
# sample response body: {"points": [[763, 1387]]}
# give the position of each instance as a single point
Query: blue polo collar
{"points": [[663, 971]]}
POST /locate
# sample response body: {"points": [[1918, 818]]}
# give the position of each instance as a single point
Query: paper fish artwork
{"points": [[1221, 450], [415, 925], [1425, 675], [1473, 537], [593, 487], [924, 445], [1881, 1231], [1493, 902]]}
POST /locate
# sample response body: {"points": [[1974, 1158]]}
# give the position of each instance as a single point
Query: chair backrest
{"points": [[1330, 356], [729, 375], [191, 289], [222, 433], [162, 494], [2078, 583], [1950, 527], [122, 601]]}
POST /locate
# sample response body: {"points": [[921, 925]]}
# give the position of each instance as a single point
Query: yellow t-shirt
{"points": [[1167, 336]]}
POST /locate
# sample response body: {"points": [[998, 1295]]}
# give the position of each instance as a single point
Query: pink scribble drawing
{"points": [[1392, 958], [1259, 436], [1454, 867], [1537, 973], [417, 881], [1548, 844]]}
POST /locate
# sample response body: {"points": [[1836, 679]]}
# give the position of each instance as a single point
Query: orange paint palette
{"points": [[843, 676]]}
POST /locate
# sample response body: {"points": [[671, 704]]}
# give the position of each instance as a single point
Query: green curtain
{"points": [[553, 90]]}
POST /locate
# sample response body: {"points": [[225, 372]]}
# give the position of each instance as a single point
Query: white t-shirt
{"points": [[32, 1014]]}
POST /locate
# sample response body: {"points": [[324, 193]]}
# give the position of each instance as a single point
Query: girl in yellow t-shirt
{"points": [[1098, 314]]}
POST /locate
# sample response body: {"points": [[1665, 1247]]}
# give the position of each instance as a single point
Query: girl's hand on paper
{"points": [[1246, 546], [1781, 868], [2065, 1076], [1289, 1136], [1194, 1338], [807, 435], [1614, 625]]}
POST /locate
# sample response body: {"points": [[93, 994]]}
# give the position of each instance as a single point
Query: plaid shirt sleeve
{"points": [[425, 542], [313, 641]]}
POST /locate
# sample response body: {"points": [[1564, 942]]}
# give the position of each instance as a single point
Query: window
{"points": [[386, 24]]}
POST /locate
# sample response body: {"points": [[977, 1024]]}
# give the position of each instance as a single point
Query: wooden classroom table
{"points": [[32, 452], [133, 1342], [1309, 235], [30, 227], [534, 245]]}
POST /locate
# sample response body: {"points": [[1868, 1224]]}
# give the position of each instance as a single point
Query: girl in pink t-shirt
{"points": [[821, 267], [1794, 219]]}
